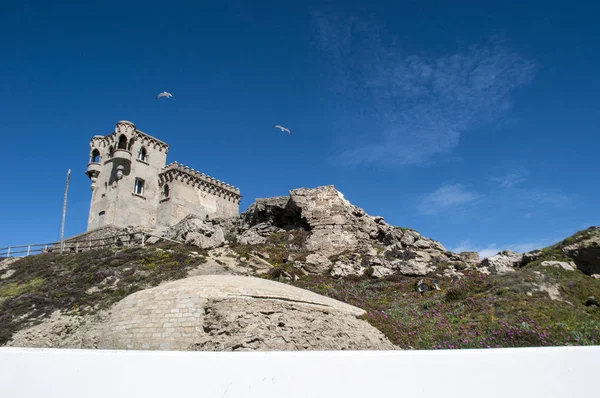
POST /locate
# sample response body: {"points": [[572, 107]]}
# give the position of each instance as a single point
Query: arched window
{"points": [[143, 155], [166, 190], [122, 142], [130, 144], [111, 151], [95, 156]]}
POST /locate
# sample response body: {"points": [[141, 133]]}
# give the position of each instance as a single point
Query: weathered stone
{"points": [[348, 265], [469, 257], [381, 272], [409, 237], [317, 264], [196, 231], [234, 313], [595, 276], [503, 262], [586, 251], [568, 266]]}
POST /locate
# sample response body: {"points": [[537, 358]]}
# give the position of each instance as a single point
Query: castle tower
{"points": [[124, 168], [133, 186]]}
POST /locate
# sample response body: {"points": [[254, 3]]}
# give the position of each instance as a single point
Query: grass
{"points": [[477, 311], [44, 283]]}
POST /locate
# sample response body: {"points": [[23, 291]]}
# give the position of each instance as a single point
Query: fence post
{"points": [[8, 252], [77, 247], [28, 249]]}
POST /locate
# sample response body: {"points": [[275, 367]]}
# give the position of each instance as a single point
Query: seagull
{"points": [[164, 94], [282, 129]]}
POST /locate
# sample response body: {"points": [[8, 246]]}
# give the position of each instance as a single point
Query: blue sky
{"points": [[474, 123]]}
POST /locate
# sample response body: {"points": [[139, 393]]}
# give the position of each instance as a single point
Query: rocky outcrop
{"points": [[197, 231], [585, 250], [567, 266], [236, 313], [503, 262], [337, 228]]}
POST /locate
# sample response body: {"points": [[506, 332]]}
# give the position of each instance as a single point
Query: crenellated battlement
{"points": [[131, 183], [178, 172]]}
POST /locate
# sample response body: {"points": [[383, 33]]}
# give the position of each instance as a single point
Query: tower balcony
{"points": [[93, 170], [122, 154]]}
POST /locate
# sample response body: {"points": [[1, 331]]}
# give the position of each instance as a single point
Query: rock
{"points": [[317, 264], [236, 313], [503, 262], [470, 258], [411, 268], [257, 234], [531, 256], [591, 302], [409, 237], [272, 211], [196, 231], [250, 237], [568, 266], [380, 271], [585, 251], [7, 274], [348, 265], [61, 331], [595, 276]]}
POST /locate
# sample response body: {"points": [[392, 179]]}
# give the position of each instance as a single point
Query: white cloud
{"points": [[414, 106], [446, 197], [510, 180]]}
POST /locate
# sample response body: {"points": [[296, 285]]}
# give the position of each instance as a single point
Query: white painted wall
{"points": [[522, 372]]}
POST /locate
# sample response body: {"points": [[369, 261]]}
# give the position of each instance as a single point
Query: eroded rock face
{"points": [[335, 227], [317, 264], [503, 262], [197, 231], [225, 312], [243, 325], [586, 252]]}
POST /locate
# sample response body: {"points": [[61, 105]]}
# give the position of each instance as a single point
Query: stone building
{"points": [[133, 185]]}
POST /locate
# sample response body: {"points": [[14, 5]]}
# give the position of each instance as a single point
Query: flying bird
{"points": [[282, 129], [164, 94]]}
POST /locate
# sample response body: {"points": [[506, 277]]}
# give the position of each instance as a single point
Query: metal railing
{"points": [[138, 238]]}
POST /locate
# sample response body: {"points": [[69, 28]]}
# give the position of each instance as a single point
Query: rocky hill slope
{"points": [[413, 290]]}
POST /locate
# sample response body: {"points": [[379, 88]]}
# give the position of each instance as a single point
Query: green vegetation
{"points": [[477, 311], [86, 282]]}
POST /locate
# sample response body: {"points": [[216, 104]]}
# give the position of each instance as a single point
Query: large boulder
{"points": [[236, 313], [503, 262], [197, 231], [317, 264]]}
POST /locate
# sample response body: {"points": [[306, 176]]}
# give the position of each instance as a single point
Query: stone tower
{"points": [[133, 186]]}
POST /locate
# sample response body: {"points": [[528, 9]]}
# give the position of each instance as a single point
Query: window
{"points": [[122, 142], [166, 191], [143, 155], [131, 141], [139, 187], [111, 151], [95, 156]]}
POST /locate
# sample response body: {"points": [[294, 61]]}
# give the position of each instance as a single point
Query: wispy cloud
{"points": [[446, 197], [510, 180], [415, 106]]}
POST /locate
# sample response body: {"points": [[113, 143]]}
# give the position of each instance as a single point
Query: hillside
{"points": [[316, 240]]}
